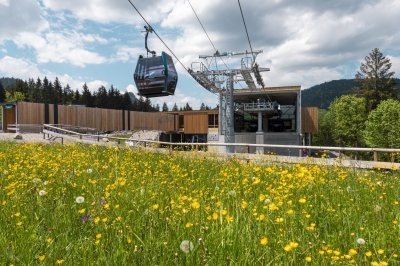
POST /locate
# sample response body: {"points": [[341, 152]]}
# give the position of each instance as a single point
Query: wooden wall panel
{"points": [[30, 113], [152, 121], [309, 119], [196, 123], [107, 119]]}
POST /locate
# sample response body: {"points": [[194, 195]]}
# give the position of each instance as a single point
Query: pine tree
{"points": [[203, 107], [87, 98], [2, 93], [57, 92], [126, 102], [165, 107], [67, 95], [375, 79], [187, 107], [175, 108]]}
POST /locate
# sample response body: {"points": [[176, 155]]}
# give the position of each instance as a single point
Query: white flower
{"points": [[348, 189], [45, 183], [186, 246], [79, 199], [361, 241], [377, 208], [42, 192], [267, 201], [89, 171], [232, 193], [36, 180]]}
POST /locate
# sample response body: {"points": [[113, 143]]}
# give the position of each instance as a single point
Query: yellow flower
{"points": [[156, 206], [195, 204], [352, 252], [215, 216], [368, 253], [261, 197], [188, 225], [98, 236], [96, 220], [302, 200], [291, 246], [279, 220], [59, 261], [308, 259], [380, 251], [244, 204], [290, 212], [81, 211], [42, 257], [229, 218], [263, 241]]}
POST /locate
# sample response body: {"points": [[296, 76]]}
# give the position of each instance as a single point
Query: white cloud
{"points": [[5, 2], [132, 88], [126, 53], [12, 24], [395, 60], [105, 11], [18, 68], [25, 69], [59, 48]]}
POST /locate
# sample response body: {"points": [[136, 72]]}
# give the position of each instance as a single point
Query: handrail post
{"points": [[376, 156]]}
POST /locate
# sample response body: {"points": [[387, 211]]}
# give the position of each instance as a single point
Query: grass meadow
{"points": [[92, 205]]}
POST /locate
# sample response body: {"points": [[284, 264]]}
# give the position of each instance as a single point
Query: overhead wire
{"points": [[255, 65], [245, 27], [158, 36], [208, 36]]}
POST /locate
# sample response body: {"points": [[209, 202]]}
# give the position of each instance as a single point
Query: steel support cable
{"points": [[148, 24], [245, 27], [255, 65], [215, 49]]}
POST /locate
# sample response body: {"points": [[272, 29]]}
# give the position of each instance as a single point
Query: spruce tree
{"points": [[375, 79], [2, 93]]}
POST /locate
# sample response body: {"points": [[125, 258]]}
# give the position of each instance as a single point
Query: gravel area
{"points": [[26, 137]]}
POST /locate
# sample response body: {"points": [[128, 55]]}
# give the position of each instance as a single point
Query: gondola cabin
{"points": [[155, 76]]}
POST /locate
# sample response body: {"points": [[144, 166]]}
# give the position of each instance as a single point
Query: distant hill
{"points": [[8, 82], [323, 94]]}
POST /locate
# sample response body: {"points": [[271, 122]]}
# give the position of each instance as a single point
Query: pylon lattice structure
{"points": [[222, 82]]}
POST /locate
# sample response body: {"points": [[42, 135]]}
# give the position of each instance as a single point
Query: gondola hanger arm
{"points": [[149, 29]]}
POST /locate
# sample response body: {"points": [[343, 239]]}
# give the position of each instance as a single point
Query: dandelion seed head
{"points": [[361, 241], [232, 193], [42, 192], [89, 170], [186, 246], [79, 199], [377, 208]]}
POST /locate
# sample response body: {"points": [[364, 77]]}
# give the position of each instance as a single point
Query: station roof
{"points": [[283, 95]]}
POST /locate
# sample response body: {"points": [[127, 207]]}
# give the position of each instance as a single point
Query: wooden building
{"points": [[187, 126]]}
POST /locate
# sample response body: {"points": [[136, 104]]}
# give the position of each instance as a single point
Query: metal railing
{"points": [[54, 129]]}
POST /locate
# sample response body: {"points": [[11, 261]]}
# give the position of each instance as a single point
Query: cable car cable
{"points": [[215, 49], [148, 24], [245, 27]]}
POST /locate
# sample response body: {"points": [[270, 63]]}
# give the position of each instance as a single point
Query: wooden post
{"points": [[376, 156]]}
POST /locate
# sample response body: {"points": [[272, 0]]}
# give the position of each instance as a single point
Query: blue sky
{"points": [[98, 41]]}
